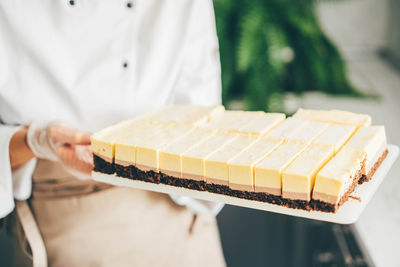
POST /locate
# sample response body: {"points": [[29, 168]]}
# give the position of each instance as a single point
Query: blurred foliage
{"points": [[272, 47]]}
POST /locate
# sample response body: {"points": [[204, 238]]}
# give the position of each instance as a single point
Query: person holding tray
{"points": [[68, 68]]}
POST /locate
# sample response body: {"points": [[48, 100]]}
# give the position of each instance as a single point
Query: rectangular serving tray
{"points": [[348, 213]]}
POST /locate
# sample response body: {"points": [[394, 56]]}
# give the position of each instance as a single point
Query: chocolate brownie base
{"points": [[100, 165], [368, 177], [134, 173]]}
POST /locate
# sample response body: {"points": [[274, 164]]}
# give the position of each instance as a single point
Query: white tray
{"points": [[347, 213]]}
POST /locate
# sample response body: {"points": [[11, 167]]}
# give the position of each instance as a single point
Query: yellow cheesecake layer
{"points": [[103, 142], [188, 114], [241, 167], [334, 116], [372, 140], [147, 150], [170, 157], [336, 135], [299, 177], [264, 123], [233, 120], [216, 164], [335, 178], [193, 166], [125, 147], [288, 128], [309, 131], [268, 173]]}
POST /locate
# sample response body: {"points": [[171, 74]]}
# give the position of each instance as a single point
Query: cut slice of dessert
{"points": [[188, 114], [103, 142], [233, 120], [334, 116], [309, 131], [193, 166], [287, 128], [336, 135], [263, 124], [170, 157], [268, 173], [216, 164], [299, 177], [125, 154], [338, 178], [372, 140], [241, 167], [147, 150]]}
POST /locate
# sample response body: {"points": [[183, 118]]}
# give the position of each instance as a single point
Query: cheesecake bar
{"points": [[233, 121], [288, 128], [299, 177], [125, 154], [193, 166], [241, 167], [336, 135], [372, 140], [216, 164], [188, 114], [263, 124], [334, 116], [309, 131], [147, 150], [103, 142], [268, 173], [338, 178], [170, 157], [311, 161]]}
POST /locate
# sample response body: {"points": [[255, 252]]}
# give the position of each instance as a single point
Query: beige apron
{"points": [[85, 223]]}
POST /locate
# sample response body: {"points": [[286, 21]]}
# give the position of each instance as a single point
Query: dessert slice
{"points": [[216, 164], [268, 173], [336, 135], [193, 159], [309, 131], [287, 128], [241, 167], [338, 178], [147, 150], [334, 116], [372, 140], [233, 120], [189, 114], [299, 177], [103, 143], [263, 123], [125, 155], [170, 157]]}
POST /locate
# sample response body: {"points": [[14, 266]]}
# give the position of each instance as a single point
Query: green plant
{"points": [[272, 47]]}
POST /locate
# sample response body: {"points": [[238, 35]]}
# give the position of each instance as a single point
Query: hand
{"points": [[57, 141]]}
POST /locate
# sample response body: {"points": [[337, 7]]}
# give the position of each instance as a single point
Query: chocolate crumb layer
{"points": [[131, 172], [368, 177], [100, 165]]}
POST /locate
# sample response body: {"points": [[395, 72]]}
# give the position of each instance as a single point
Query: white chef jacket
{"points": [[92, 63]]}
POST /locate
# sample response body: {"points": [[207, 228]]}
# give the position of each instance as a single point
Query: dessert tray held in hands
{"points": [[318, 164]]}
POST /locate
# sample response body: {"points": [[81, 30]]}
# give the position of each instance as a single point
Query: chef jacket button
{"points": [[125, 65], [129, 4], [72, 2]]}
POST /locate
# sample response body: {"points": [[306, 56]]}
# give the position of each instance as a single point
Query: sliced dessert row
{"points": [[312, 160]]}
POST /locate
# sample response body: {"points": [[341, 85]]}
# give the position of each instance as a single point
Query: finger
{"points": [[62, 134], [78, 158]]}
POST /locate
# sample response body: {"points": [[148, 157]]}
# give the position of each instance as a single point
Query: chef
{"points": [[71, 67]]}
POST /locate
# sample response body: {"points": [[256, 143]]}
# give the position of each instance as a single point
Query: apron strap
{"points": [[32, 234]]}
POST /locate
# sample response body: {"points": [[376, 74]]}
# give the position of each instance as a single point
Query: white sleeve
{"points": [[13, 184], [199, 81]]}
